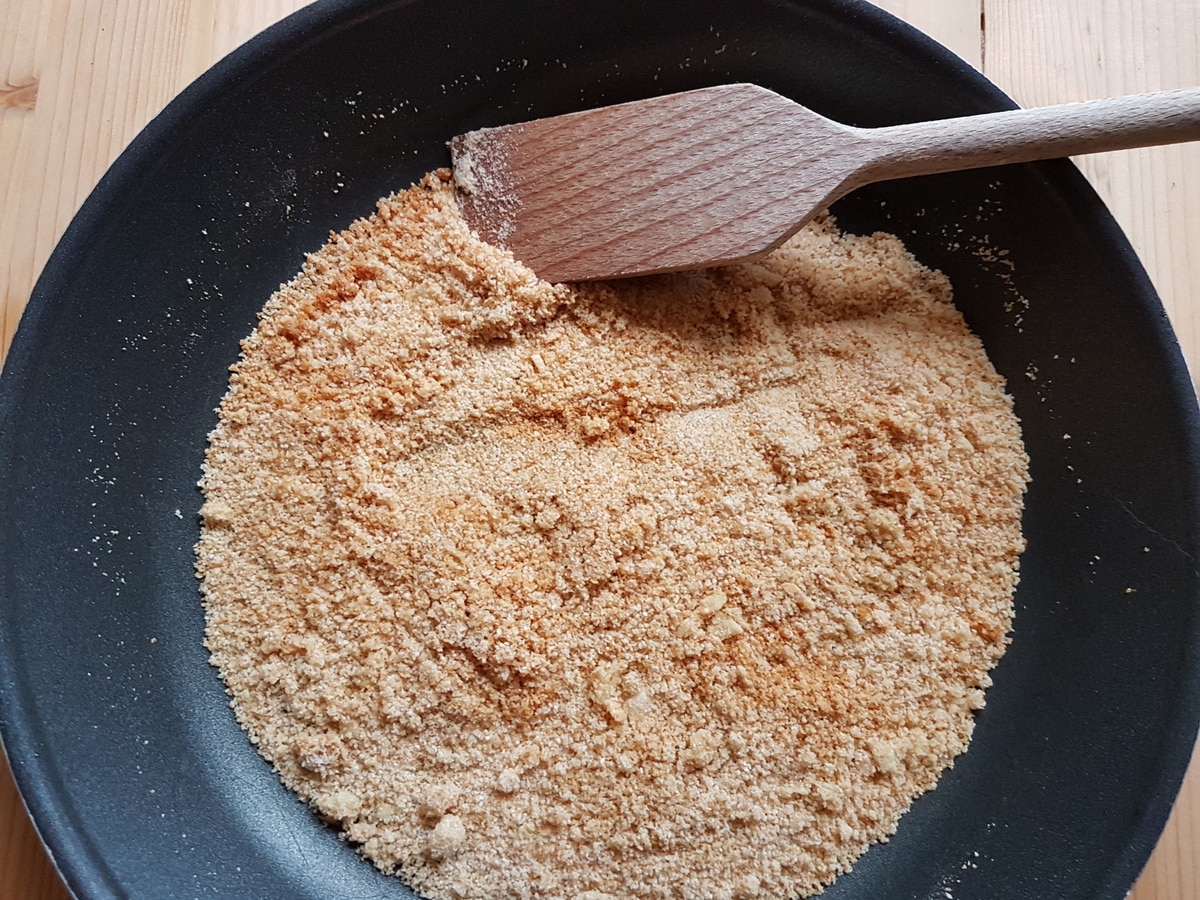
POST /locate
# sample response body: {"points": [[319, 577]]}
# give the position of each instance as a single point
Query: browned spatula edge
{"points": [[721, 174]]}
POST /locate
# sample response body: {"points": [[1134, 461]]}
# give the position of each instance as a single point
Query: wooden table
{"points": [[79, 78]]}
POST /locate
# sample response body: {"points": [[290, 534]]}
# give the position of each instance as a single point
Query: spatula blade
{"points": [[698, 178]]}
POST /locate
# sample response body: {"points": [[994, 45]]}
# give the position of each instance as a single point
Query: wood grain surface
{"points": [[79, 78], [718, 174]]}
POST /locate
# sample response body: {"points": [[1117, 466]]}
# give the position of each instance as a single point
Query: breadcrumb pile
{"points": [[682, 586]]}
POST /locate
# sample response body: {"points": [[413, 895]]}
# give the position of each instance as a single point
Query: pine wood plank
{"points": [[954, 24], [24, 29]]}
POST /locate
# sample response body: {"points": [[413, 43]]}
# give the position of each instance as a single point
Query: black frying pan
{"points": [[118, 730]]}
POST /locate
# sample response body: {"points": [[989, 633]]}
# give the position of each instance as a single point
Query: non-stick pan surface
{"points": [[118, 730]]}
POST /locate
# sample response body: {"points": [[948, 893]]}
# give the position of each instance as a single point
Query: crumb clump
{"points": [[678, 587]]}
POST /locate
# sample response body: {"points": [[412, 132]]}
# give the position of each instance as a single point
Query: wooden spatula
{"points": [[719, 174]]}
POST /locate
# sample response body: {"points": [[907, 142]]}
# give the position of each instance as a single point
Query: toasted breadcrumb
{"points": [[682, 586]]}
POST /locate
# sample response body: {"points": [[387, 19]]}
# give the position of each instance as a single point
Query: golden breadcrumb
{"points": [[682, 586]]}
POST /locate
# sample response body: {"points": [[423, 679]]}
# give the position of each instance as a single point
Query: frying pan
{"points": [[118, 730]]}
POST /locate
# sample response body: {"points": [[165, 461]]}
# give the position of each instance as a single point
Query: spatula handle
{"points": [[1024, 135]]}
